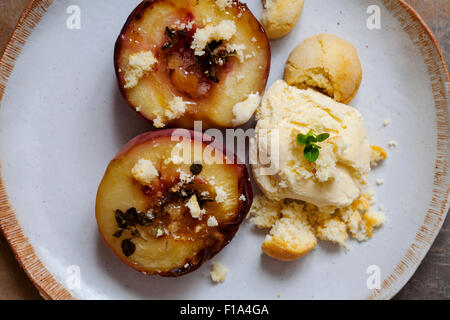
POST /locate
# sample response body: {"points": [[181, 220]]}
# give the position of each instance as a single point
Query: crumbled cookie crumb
{"points": [[218, 272]]}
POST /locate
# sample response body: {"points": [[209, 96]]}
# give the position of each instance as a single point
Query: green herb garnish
{"points": [[128, 247], [131, 218], [169, 32], [183, 194], [118, 233], [167, 45], [215, 56], [196, 168], [135, 233], [309, 140], [127, 222], [202, 200], [174, 36]]}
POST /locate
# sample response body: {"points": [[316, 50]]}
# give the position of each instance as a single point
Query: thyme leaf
{"points": [[196, 168], [128, 247], [311, 151], [118, 233]]}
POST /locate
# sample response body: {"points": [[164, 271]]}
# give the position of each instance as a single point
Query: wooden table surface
{"points": [[432, 279]]}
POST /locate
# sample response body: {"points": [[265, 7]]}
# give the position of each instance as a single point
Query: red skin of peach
{"points": [[228, 230], [136, 15]]}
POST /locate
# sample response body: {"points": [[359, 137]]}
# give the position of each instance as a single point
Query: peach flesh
{"points": [[117, 182]]}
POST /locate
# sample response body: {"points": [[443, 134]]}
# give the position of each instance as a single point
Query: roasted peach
{"points": [[163, 211], [178, 61]]}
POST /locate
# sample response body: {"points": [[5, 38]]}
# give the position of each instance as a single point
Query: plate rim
{"points": [[423, 38]]}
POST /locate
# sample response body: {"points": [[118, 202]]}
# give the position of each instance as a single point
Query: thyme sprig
{"points": [[311, 151], [128, 221]]}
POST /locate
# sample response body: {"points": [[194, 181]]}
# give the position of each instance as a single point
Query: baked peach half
{"points": [[178, 61], [163, 211]]}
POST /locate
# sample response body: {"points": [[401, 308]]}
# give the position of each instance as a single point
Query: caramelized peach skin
{"points": [[118, 191], [208, 101]]}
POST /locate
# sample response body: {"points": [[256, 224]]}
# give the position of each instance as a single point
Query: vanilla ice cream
{"points": [[338, 176]]}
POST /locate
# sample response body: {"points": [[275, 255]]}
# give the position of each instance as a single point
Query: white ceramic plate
{"points": [[62, 119]]}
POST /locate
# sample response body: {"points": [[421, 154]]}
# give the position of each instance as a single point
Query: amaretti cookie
{"points": [[280, 16], [326, 63]]}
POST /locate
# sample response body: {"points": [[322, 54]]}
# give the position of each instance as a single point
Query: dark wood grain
{"points": [[432, 279], [436, 14]]}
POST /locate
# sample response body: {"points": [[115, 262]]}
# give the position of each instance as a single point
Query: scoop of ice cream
{"points": [[337, 177]]}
